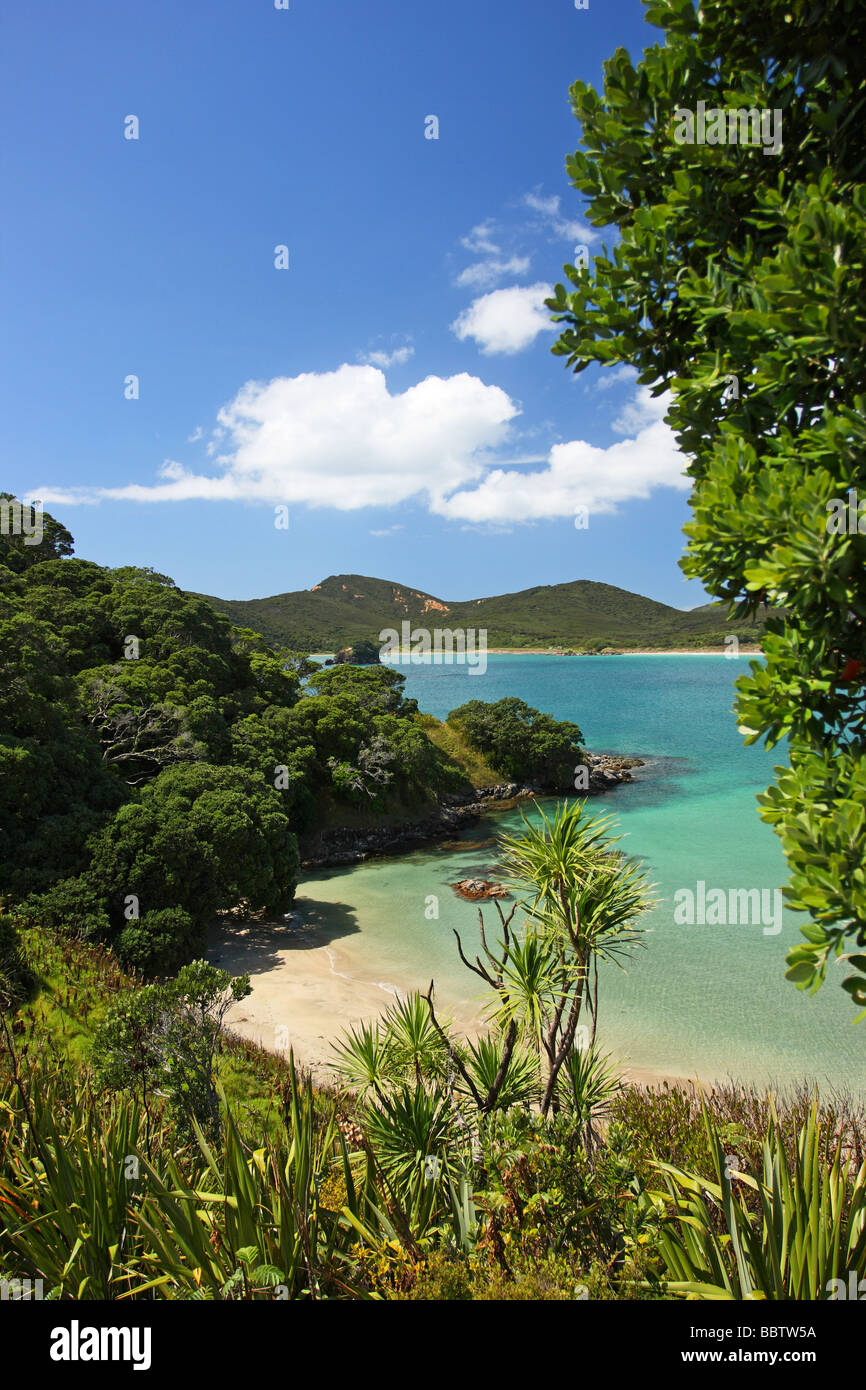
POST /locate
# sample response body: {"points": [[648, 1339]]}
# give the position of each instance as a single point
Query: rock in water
{"points": [[476, 889]]}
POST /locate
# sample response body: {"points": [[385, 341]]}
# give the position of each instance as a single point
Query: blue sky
{"points": [[394, 387]]}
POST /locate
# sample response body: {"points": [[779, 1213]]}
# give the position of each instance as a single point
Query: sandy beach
{"points": [[303, 993], [303, 996]]}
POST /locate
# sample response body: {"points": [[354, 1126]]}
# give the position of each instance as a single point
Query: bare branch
{"points": [[478, 968], [455, 1057]]}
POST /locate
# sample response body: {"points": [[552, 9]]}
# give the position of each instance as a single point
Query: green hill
{"points": [[347, 608]]}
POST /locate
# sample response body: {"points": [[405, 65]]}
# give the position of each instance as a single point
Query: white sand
{"points": [[304, 995]]}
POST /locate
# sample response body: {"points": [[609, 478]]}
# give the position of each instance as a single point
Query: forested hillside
{"points": [[347, 608], [157, 766]]}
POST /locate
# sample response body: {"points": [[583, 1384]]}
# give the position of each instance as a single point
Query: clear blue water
{"points": [[699, 1000]]}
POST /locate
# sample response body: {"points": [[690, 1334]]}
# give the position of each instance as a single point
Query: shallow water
{"points": [[698, 1000]]}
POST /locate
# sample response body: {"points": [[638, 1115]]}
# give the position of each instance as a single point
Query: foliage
{"points": [[590, 1084], [520, 742], [737, 284], [349, 608], [362, 653], [810, 1229], [476, 769], [110, 1195], [29, 537], [163, 1040], [89, 1213], [201, 838], [16, 977], [157, 765]]}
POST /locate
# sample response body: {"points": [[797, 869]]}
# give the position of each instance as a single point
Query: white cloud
{"points": [[495, 264], [196, 435], [548, 206], [170, 468], [339, 439], [612, 376], [578, 474], [566, 228], [480, 239], [388, 359], [506, 320], [483, 274], [640, 411]]}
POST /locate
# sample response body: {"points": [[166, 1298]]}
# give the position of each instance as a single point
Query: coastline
{"points": [[625, 651], [304, 996], [427, 660], [341, 845]]}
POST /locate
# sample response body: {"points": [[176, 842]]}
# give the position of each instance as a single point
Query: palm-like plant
{"points": [[582, 891], [588, 1084], [410, 1130], [413, 1122], [403, 1045], [418, 1049], [582, 898], [366, 1057], [533, 977], [520, 1083]]}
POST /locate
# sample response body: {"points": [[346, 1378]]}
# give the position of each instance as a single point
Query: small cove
{"points": [[705, 1000]]}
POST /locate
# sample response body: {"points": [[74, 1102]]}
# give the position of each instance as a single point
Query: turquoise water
{"points": [[698, 1000]]}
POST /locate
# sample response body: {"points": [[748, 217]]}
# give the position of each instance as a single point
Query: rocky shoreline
{"points": [[348, 845]]}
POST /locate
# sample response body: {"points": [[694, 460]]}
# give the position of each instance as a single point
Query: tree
{"points": [[582, 901], [28, 536], [199, 839], [521, 742], [246, 640], [163, 1039], [378, 687], [138, 738], [155, 763], [359, 654], [160, 940], [737, 284], [54, 791]]}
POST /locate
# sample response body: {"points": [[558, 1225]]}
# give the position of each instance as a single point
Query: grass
{"points": [[666, 1121], [453, 744], [468, 769], [76, 983]]}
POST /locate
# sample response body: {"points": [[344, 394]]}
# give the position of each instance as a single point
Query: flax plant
{"points": [[808, 1233]]}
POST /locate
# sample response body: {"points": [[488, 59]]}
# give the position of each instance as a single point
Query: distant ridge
{"points": [[347, 608]]}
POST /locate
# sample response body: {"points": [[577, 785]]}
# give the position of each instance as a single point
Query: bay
{"points": [[701, 1000]]}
